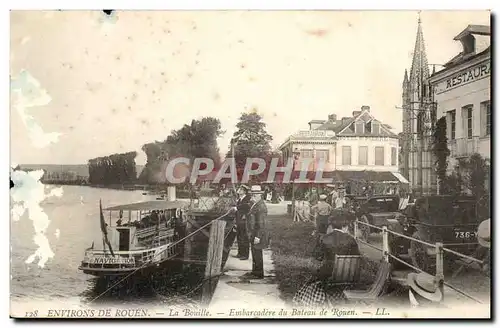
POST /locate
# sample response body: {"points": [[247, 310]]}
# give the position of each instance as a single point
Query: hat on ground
{"points": [[484, 233], [423, 285], [256, 190], [322, 197]]}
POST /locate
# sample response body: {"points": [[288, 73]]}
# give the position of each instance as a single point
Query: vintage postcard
{"points": [[250, 164]]}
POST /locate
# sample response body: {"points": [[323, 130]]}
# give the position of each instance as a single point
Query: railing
{"points": [[464, 147], [439, 250]]}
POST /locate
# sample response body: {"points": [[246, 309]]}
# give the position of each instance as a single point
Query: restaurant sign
{"points": [[464, 77]]}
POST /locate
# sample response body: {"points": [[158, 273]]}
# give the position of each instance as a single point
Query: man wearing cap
{"points": [[256, 227], [243, 206]]}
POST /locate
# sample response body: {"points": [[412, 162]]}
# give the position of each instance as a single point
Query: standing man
{"points": [[322, 212], [313, 196], [243, 207], [259, 239]]}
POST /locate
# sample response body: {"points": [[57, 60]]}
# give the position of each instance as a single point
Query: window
{"points": [[453, 123], [394, 156], [485, 118], [368, 127], [323, 155], [468, 113], [363, 155], [346, 155], [306, 153], [379, 155]]}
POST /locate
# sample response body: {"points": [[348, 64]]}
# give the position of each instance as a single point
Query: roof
{"points": [[459, 59], [474, 29], [149, 206]]}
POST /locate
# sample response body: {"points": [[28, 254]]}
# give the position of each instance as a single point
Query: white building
{"points": [[462, 91], [356, 143]]}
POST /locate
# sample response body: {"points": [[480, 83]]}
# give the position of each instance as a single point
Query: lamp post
{"points": [[295, 154]]}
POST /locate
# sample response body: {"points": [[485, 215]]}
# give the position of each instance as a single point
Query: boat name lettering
{"points": [[112, 260]]}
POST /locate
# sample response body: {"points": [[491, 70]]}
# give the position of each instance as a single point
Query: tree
{"points": [[113, 169], [250, 140], [440, 150], [198, 139]]}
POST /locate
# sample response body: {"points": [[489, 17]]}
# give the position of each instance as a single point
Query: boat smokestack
{"points": [[171, 193]]}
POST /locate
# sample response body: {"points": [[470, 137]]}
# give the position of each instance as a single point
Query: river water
{"points": [[74, 224]]}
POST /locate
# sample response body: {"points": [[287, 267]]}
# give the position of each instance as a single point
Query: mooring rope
{"points": [[169, 246]]}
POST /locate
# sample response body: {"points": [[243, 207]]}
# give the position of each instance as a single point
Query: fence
{"points": [[439, 250]]}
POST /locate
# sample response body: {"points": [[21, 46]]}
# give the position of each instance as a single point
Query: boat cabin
{"points": [[142, 225]]}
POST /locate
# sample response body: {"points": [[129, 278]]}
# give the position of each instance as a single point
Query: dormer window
{"points": [[368, 127]]}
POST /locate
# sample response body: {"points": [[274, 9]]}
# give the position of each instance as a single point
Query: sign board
{"points": [[469, 75], [111, 260]]}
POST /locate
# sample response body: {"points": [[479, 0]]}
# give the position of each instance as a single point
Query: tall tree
{"points": [[440, 149], [250, 139], [198, 139]]}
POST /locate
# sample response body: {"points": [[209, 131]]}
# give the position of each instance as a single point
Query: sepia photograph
{"points": [[241, 164]]}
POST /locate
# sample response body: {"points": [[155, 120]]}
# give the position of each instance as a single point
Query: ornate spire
{"points": [[419, 67], [405, 80]]}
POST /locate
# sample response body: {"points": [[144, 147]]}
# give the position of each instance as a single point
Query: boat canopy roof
{"points": [[149, 206]]}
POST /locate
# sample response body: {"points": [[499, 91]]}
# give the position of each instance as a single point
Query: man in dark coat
{"points": [[256, 226], [337, 241], [243, 206]]}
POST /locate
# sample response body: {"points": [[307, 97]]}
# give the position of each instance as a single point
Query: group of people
{"points": [[334, 195], [251, 213]]}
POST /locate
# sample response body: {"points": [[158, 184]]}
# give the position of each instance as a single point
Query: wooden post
{"points": [[440, 268], [214, 259], [385, 244], [356, 229]]}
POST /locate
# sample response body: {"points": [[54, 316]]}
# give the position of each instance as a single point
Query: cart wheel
{"points": [[363, 230], [419, 256]]}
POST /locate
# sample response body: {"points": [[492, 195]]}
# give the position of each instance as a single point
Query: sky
{"points": [[113, 84]]}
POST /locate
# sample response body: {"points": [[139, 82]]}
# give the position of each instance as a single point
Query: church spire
{"points": [[419, 67]]}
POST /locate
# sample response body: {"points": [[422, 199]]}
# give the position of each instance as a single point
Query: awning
{"points": [[400, 177]]}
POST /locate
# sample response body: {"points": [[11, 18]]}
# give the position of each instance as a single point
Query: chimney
{"points": [[332, 118], [356, 113], [367, 108]]}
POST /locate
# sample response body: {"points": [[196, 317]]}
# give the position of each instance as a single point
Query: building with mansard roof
{"points": [[355, 146], [462, 92]]}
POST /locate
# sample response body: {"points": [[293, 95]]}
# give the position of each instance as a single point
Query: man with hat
{"points": [[338, 241], [258, 236], [321, 211], [243, 206]]}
